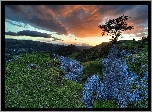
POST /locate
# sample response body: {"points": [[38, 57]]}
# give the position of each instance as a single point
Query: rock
{"points": [[145, 76], [113, 52], [72, 68], [118, 81], [115, 81], [100, 91], [48, 64], [92, 85], [146, 42], [72, 76], [33, 66], [124, 53]]}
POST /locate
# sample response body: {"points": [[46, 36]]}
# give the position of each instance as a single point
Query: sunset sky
{"points": [[71, 24]]}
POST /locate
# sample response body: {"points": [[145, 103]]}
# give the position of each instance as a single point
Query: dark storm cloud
{"points": [[29, 33], [33, 34], [56, 8]]}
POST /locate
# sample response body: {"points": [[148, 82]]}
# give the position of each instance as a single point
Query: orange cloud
{"points": [[79, 20]]}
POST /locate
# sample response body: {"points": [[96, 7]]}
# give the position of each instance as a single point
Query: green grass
{"points": [[43, 87], [39, 88], [73, 55], [128, 45], [105, 104], [139, 59], [92, 67]]}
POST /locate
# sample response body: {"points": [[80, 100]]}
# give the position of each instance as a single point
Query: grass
{"points": [[39, 88], [73, 55], [43, 87], [139, 59], [105, 104], [91, 67]]}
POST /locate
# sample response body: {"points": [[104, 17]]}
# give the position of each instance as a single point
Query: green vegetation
{"points": [[43, 87], [140, 58], [93, 53], [39, 88], [105, 104], [27, 87], [92, 67], [73, 55], [66, 50], [141, 104], [130, 45]]}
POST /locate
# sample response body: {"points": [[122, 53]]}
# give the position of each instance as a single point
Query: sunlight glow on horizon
{"points": [[70, 39]]}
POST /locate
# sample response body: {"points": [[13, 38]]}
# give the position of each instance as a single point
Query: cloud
{"points": [[139, 15], [122, 9], [55, 39], [37, 15], [79, 20], [11, 33], [80, 23], [16, 8], [29, 33], [62, 10], [84, 44], [140, 34]]}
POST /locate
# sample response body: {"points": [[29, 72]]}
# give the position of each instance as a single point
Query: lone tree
{"points": [[115, 26]]}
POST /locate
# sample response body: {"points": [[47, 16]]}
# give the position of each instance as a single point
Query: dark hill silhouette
{"points": [[84, 47], [66, 50]]}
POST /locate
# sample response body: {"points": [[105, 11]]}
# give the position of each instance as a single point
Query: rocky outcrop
{"points": [[92, 85], [33, 66], [118, 80], [72, 68], [118, 84]]}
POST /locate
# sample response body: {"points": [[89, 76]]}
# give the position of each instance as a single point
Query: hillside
{"points": [[66, 50], [34, 80], [15, 47], [84, 47]]}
